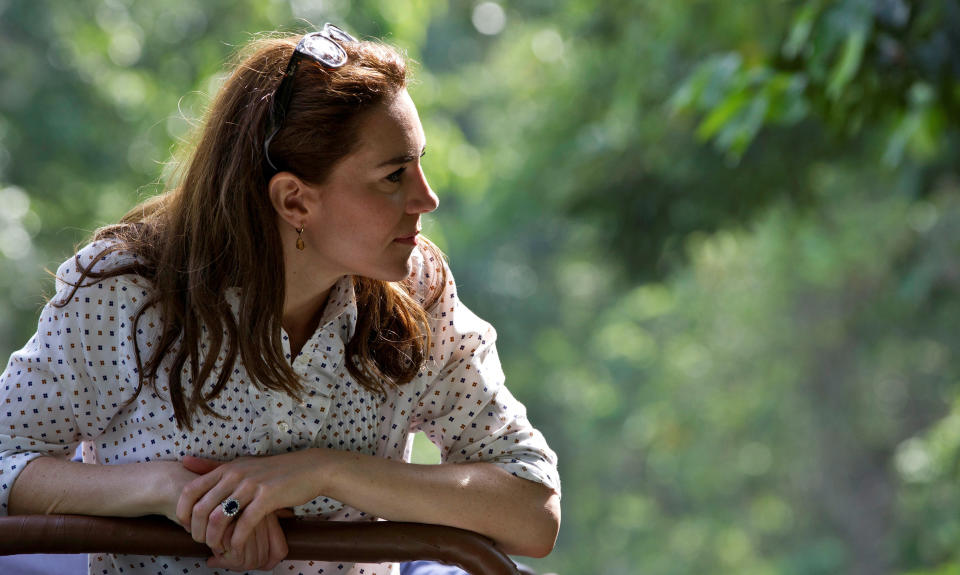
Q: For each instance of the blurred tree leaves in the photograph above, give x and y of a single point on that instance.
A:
(857, 64)
(718, 240)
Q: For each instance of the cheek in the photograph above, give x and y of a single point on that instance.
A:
(379, 210)
(370, 219)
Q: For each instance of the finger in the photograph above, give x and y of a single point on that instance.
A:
(190, 494)
(278, 542)
(199, 464)
(247, 553)
(226, 559)
(252, 556)
(208, 515)
(264, 541)
(230, 560)
(217, 535)
(259, 547)
(252, 515)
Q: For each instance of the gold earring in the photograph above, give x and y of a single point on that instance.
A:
(300, 245)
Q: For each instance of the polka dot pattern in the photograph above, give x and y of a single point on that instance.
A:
(73, 380)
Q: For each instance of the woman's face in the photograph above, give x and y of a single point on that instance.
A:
(368, 211)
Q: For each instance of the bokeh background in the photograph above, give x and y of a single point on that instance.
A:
(720, 241)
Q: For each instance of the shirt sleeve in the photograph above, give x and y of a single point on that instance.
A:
(64, 385)
(466, 409)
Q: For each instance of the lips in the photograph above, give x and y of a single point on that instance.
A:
(411, 239)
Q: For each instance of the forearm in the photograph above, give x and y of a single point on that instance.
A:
(521, 516)
(50, 485)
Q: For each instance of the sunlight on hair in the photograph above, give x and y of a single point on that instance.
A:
(489, 18)
(178, 126)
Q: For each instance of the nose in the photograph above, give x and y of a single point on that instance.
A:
(422, 200)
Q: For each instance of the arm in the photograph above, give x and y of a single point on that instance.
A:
(481, 487)
(498, 479)
(51, 485)
(521, 516)
(65, 386)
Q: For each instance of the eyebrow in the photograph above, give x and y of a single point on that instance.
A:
(402, 159)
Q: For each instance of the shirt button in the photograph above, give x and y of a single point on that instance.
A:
(283, 426)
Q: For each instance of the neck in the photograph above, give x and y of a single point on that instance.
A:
(302, 312)
(305, 297)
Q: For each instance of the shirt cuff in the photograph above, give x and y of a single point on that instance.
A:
(543, 474)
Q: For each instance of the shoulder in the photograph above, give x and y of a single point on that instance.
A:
(93, 312)
(95, 259)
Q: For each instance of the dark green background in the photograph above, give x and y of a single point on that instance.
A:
(720, 242)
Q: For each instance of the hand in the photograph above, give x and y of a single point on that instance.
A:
(262, 485)
(263, 550)
(169, 480)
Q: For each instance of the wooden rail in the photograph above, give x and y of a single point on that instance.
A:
(373, 542)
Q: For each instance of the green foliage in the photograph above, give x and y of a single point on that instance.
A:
(854, 64)
(718, 240)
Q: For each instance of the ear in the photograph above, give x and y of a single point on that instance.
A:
(294, 200)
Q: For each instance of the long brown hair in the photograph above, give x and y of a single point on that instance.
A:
(200, 238)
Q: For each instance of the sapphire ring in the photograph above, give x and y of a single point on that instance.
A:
(230, 506)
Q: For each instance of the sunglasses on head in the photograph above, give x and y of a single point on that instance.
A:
(322, 47)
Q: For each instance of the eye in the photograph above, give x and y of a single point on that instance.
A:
(395, 176)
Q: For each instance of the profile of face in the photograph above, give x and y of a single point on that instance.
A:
(365, 218)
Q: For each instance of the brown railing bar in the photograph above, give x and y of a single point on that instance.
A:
(373, 542)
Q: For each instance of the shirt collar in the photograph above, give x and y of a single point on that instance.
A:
(341, 305)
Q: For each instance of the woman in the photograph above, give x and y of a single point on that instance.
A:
(266, 336)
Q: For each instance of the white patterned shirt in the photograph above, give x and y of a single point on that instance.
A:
(72, 381)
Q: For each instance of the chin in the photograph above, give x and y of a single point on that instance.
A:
(407, 268)
(394, 273)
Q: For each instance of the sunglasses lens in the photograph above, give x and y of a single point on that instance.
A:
(324, 50)
(337, 34)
